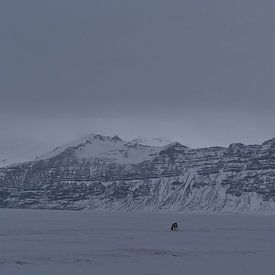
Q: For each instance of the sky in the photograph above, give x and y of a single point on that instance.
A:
(197, 72)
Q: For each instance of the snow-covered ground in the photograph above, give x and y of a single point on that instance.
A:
(63, 242)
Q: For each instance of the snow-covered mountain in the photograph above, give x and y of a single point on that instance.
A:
(107, 172)
(152, 141)
(110, 149)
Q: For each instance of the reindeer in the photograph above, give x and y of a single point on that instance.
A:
(174, 227)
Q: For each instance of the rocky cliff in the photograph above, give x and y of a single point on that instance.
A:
(107, 172)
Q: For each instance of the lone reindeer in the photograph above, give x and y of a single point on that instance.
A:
(174, 227)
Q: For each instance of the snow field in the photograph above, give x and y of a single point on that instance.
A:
(100, 242)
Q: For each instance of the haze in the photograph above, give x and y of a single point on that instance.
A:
(199, 72)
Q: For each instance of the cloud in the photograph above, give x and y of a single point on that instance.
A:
(199, 70)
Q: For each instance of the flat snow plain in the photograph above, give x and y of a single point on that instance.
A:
(46, 242)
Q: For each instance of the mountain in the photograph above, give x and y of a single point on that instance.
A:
(111, 149)
(152, 141)
(110, 173)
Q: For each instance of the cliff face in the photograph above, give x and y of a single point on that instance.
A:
(103, 172)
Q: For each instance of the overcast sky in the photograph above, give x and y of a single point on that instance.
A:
(200, 72)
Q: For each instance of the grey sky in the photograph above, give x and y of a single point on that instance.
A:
(201, 72)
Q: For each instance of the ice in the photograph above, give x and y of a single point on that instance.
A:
(101, 242)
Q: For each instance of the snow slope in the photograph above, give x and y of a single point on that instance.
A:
(152, 141)
(136, 243)
(110, 148)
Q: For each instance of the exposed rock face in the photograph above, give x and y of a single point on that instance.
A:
(105, 172)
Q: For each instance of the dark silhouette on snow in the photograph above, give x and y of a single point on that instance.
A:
(174, 227)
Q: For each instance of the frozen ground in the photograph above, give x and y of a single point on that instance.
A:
(46, 242)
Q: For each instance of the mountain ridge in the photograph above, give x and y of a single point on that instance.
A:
(109, 173)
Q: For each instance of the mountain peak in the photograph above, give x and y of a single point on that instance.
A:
(116, 138)
(269, 142)
(159, 141)
(100, 137)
